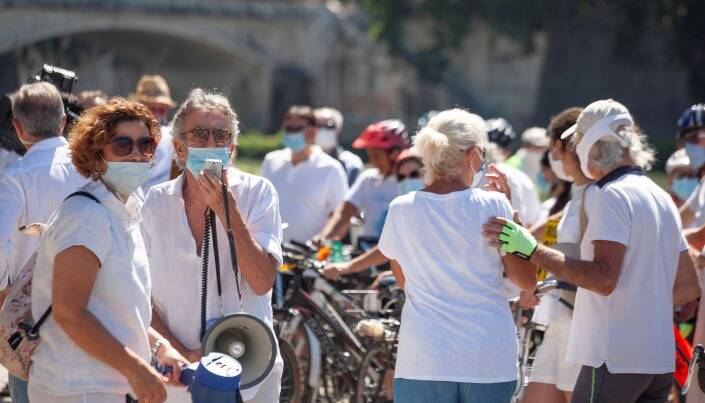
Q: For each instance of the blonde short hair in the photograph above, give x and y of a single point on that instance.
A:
(443, 141)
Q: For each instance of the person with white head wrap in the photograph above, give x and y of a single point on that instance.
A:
(632, 246)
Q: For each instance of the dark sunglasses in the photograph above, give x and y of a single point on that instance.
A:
(201, 135)
(328, 124)
(411, 175)
(122, 146)
(294, 129)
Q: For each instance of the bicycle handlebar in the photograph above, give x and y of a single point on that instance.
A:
(553, 284)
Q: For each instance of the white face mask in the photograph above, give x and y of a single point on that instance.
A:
(557, 168)
(532, 163)
(477, 177)
(126, 177)
(327, 139)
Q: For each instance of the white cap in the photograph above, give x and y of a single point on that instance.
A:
(594, 113)
(535, 136)
(678, 159)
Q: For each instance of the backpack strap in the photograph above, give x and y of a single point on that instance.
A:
(34, 331)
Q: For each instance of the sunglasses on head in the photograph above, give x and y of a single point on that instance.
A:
(411, 175)
(202, 134)
(122, 146)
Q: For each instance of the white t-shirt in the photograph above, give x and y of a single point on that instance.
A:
(7, 157)
(120, 299)
(525, 197)
(30, 190)
(567, 232)
(308, 191)
(456, 324)
(371, 194)
(176, 267)
(696, 204)
(631, 330)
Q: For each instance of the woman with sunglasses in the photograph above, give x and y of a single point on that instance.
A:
(457, 341)
(92, 270)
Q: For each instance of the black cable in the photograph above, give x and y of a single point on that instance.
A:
(204, 273)
(216, 254)
(231, 241)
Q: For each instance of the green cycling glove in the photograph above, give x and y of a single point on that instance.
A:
(517, 240)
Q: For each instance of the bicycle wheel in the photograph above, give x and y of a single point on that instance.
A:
(374, 383)
(292, 387)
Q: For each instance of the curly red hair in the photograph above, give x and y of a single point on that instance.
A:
(96, 128)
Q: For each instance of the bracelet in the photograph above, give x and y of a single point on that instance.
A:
(157, 345)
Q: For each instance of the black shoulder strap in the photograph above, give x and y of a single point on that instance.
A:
(35, 329)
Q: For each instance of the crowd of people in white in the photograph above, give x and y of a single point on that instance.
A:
(452, 210)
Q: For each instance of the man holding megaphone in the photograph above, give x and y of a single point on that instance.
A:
(211, 258)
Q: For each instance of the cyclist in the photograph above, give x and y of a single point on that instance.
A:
(552, 378)
(376, 187)
(691, 125)
(409, 171)
(329, 122)
(534, 143)
(681, 182)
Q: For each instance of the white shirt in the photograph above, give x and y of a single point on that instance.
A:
(7, 157)
(30, 190)
(696, 204)
(567, 232)
(176, 267)
(120, 298)
(161, 170)
(308, 191)
(525, 197)
(456, 324)
(631, 330)
(371, 194)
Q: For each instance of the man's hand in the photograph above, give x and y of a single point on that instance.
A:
(212, 191)
(167, 356)
(335, 270)
(510, 237)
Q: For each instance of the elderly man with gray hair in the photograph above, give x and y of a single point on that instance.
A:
(33, 187)
(633, 268)
(186, 240)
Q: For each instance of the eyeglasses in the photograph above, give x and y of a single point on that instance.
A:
(294, 129)
(694, 136)
(411, 175)
(328, 124)
(482, 152)
(122, 146)
(201, 135)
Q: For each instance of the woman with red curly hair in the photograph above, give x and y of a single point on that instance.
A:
(92, 270)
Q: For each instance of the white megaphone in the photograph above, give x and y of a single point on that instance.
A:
(238, 352)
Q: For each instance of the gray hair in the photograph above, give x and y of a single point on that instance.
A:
(203, 101)
(39, 109)
(607, 153)
(330, 113)
(443, 141)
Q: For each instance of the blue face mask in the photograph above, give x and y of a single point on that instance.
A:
(126, 177)
(696, 154)
(296, 141)
(684, 186)
(197, 157)
(409, 185)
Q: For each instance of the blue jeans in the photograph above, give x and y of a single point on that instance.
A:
(18, 390)
(416, 391)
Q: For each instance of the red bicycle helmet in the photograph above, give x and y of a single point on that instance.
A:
(387, 134)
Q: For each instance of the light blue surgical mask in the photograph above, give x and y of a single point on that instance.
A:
(295, 141)
(409, 185)
(197, 157)
(126, 177)
(696, 154)
(542, 183)
(684, 186)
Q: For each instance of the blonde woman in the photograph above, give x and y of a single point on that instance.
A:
(457, 341)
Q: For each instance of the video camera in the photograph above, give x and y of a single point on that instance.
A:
(64, 80)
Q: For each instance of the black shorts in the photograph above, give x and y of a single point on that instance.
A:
(598, 385)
